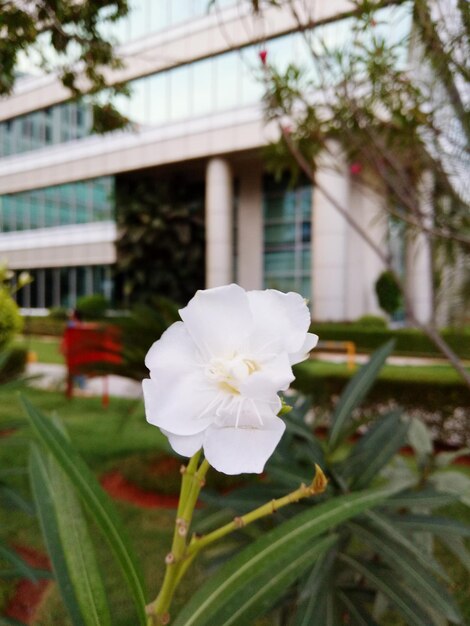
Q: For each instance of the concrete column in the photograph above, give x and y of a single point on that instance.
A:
(250, 229)
(329, 238)
(363, 266)
(419, 283)
(219, 223)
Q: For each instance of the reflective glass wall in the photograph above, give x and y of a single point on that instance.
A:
(74, 203)
(62, 286)
(47, 127)
(287, 238)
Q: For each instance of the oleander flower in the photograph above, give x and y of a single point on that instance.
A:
(215, 376)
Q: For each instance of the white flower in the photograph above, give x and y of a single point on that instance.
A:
(215, 376)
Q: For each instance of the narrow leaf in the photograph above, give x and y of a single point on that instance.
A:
(94, 498)
(233, 584)
(356, 391)
(421, 581)
(387, 525)
(74, 540)
(375, 449)
(51, 533)
(426, 523)
(359, 614)
(458, 549)
(311, 607)
(429, 498)
(389, 584)
(22, 568)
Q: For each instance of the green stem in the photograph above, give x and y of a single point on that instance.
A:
(318, 485)
(192, 481)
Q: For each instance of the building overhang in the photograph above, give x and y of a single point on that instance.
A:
(220, 134)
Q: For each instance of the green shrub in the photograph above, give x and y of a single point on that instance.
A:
(372, 321)
(409, 341)
(14, 364)
(58, 313)
(388, 293)
(92, 307)
(44, 326)
(11, 322)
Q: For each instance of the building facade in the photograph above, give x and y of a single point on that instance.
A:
(195, 107)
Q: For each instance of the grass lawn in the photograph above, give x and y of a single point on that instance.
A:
(47, 349)
(440, 374)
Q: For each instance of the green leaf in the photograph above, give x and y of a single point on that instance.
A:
(21, 567)
(262, 587)
(95, 500)
(432, 524)
(231, 588)
(356, 390)
(453, 482)
(375, 449)
(428, 589)
(428, 497)
(457, 547)
(312, 605)
(387, 525)
(420, 438)
(16, 500)
(358, 613)
(51, 533)
(66, 533)
(389, 584)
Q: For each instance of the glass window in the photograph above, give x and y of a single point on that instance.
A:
(203, 92)
(227, 80)
(287, 238)
(180, 90)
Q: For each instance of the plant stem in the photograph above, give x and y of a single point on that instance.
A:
(192, 481)
(317, 486)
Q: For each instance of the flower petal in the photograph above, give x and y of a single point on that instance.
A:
(180, 405)
(239, 450)
(310, 342)
(219, 320)
(175, 349)
(275, 375)
(186, 446)
(281, 320)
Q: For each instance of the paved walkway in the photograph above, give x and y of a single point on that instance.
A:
(51, 376)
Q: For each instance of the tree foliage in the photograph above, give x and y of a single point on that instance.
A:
(68, 39)
(160, 250)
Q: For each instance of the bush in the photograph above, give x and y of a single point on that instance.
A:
(11, 322)
(14, 365)
(58, 313)
(92, 307)
(388, 293)
(409, 341)
(44, 326)
(372, 321)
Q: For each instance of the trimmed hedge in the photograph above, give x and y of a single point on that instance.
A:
(445, 395)
(409, 341)
(44, 326)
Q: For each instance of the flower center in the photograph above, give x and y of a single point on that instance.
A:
(229, 373)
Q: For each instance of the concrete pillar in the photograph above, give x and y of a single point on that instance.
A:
(363, 266)
(329, 238)
(219, 223)
(419, 282)
(250, 228)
